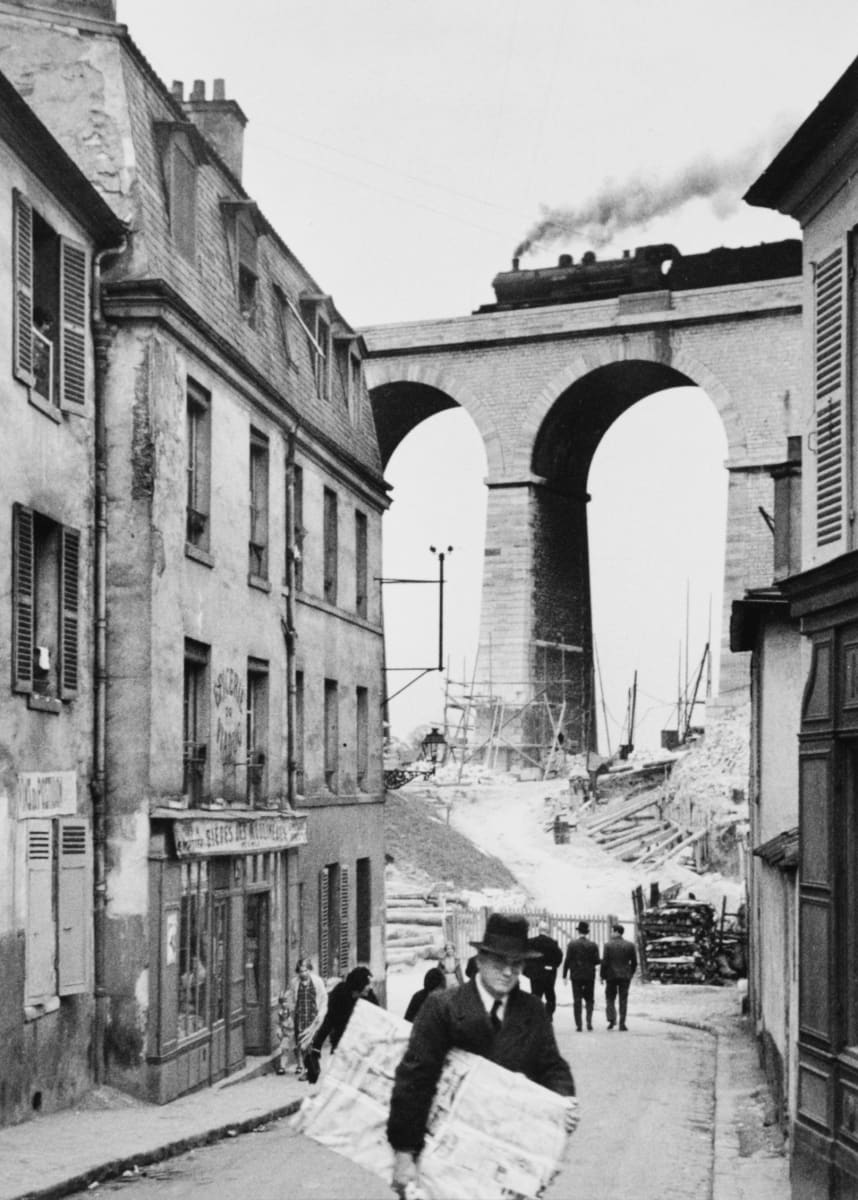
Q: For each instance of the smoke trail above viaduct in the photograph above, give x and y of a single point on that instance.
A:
(621, 205)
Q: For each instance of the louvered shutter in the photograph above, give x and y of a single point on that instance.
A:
(69, 617)
(344, 920)
(324, 906)
(829, 345)
(73, 323)
(73, 905)
(40, 943)
(23, 272)
(23, 598)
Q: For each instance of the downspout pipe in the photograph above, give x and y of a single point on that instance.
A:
(290, 635)
(98, 787)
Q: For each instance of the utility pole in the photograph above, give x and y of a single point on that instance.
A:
(441, 556)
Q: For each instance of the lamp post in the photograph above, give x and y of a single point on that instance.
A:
(434, 747)
(441, 556)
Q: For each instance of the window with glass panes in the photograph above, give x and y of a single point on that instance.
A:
(193, 1014)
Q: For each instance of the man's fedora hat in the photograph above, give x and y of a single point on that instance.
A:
(506, 937)
(583, 926)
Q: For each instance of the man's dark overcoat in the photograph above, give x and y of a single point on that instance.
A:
(582, 958)
(456, 1018)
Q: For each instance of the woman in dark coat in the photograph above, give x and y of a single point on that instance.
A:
(357, 985)
(432, 980)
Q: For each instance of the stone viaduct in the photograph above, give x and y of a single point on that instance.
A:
(543, 385)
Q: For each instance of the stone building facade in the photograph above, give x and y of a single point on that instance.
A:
(813, 178)
(55, 228)
(240, 801)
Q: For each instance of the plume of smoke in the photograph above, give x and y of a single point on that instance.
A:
(640, 199)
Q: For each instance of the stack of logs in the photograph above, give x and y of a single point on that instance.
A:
(414, 927)
(680, 941)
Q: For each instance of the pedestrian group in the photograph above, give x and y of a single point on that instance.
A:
(481, 1008)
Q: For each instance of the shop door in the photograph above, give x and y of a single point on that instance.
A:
(256, 973)
(219, 980)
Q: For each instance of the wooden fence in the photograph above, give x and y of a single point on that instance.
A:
(462, 926)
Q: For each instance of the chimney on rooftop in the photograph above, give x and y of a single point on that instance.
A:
(219, 120)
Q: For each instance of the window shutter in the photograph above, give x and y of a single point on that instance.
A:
(829, 344)
(73, 905)
(23, 268)
(324, 900)
(40, 943)
(73, 324)
(344, 920)
(69, 619)
(23, 598)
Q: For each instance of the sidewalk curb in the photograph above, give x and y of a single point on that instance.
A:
(143, 1158)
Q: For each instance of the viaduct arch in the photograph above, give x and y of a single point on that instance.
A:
(543, 385)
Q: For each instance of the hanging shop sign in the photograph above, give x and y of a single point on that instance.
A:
(203, 837)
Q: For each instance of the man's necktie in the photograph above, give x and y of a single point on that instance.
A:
(495, 1016)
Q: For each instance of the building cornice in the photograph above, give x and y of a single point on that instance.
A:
(132, 301)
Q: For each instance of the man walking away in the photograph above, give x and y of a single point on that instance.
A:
(542, 971)
(619, 963)
(582, 958)
(489, 1015)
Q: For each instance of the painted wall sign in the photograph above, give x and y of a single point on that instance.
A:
(47, 794)
(229, 710)
(200, 838)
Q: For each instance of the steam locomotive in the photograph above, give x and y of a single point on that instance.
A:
(650, 268)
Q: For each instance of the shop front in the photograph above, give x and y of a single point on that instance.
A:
(225, 902)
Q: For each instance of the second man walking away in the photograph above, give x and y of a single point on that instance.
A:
(619, 963)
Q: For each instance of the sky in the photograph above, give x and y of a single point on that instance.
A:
(406, 149)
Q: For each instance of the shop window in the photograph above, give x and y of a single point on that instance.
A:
(195, 721)
(257, 732)
(258, 543)
(363, 910)
(58, 857)
(361, 571)
(299, 730)
(334, 959)
(362, 735)
(45, 604)
(50, 315)
(330, 548)
(193, 1014)
(198, 466)
(332, 734)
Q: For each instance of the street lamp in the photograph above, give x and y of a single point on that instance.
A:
(433, 746)
(441, 556)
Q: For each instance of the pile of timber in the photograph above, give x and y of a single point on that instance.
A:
(414, 926)
(680, 941)
(636, 832)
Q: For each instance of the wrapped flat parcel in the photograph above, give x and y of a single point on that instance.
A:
(492, 1133)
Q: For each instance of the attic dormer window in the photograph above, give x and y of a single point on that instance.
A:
(348, 369)
(242, 227)
(318, 327)
(181, 154)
